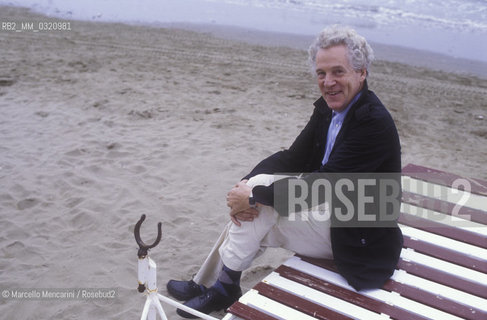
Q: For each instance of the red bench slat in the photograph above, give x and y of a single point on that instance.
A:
(248, 313)
(445, 254)
(416, 294)
(445, 278)
(443, 229)
(345, 294)
(298, 303)
(444, 207)
(477, 186)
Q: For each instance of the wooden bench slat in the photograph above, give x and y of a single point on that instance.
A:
(445, 242)
(442, 229)
(440, 290)
(458, 197)
(298, 303)
(433, 220)
(444, 207)
(273, 308)
(439, 219)
(346, 295)
(452, 269)
(443, 178)
(446, 254)
(247, 313)
(435, 301)
(443, 278)
(437, 305)
(321, 298)
(416, 294)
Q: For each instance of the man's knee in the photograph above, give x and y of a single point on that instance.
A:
(261, 180)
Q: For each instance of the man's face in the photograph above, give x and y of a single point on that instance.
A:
(338, 81)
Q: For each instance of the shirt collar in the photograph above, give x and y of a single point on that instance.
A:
(340, 116)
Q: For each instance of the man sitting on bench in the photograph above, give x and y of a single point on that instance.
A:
(350, 131)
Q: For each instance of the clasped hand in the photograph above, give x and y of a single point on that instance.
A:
(238, 201)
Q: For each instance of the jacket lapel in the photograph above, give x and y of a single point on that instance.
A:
(349, 117)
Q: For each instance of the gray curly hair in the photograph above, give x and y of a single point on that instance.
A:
(360, 53)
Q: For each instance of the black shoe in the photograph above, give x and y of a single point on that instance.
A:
(184, 290)
(210, 301)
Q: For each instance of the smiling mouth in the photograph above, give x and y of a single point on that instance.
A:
(332, 93)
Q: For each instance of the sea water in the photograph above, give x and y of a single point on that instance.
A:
(456, 28)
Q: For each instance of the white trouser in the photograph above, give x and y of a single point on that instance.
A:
(305, 233)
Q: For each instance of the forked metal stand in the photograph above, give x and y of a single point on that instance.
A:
(147, 277)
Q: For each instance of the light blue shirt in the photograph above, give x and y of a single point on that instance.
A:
(335, 126)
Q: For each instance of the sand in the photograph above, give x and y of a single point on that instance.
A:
(106, 122)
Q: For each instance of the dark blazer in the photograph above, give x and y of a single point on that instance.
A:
(368, 142)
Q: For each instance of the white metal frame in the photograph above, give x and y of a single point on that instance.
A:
(147, 278)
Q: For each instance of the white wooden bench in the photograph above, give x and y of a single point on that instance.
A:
(442, 272)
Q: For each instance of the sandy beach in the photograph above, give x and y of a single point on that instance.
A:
(106, 122)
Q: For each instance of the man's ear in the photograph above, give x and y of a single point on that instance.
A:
(363, 74)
